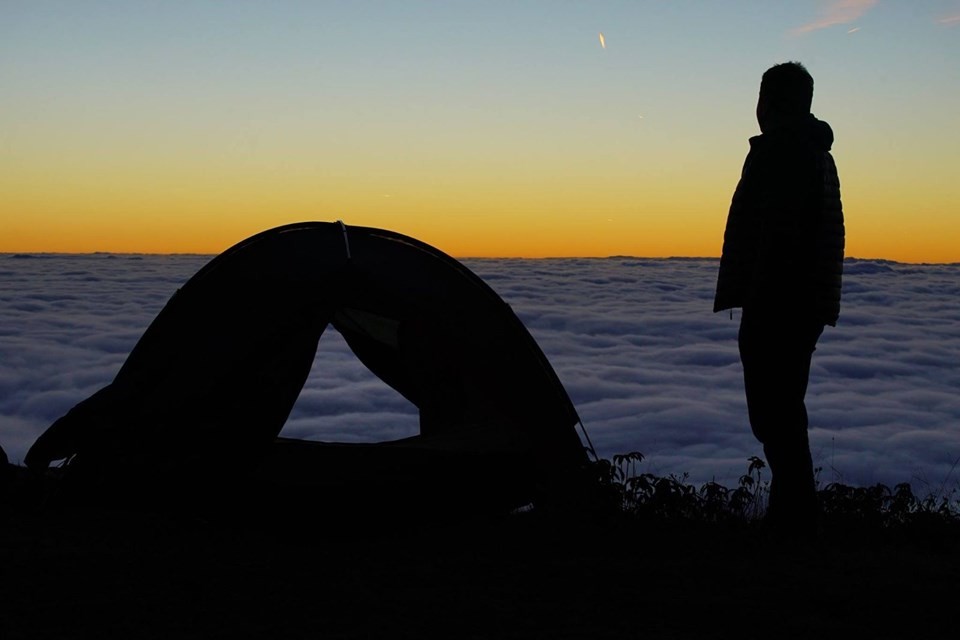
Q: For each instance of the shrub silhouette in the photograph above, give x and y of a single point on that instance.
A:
(674, 497)
(623, 490)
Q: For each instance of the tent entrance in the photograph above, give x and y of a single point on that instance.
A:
(342, 401)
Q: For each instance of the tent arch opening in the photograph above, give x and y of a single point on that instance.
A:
(344, 402)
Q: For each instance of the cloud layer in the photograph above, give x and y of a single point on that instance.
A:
(647, 364)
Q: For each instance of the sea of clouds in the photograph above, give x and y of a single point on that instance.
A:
(649, 367)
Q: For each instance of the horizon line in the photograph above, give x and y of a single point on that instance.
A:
(30, 254)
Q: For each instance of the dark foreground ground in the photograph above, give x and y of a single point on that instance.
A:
(135, 575)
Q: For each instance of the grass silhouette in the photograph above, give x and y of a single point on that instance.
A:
(644, 556)
(672, 497)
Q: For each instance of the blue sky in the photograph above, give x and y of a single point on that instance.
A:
(148, 126)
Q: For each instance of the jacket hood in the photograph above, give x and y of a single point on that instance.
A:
(808, 128)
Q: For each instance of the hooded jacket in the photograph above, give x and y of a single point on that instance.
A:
(784, 239)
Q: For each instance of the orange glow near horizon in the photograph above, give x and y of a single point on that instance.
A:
(487, 216)
(509, 234)
(514, 198)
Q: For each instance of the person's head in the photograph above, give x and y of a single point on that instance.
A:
(786, 92)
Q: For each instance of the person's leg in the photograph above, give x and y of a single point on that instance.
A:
(776, 354)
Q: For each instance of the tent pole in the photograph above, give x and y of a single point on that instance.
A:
(346, 239)
(587, 437)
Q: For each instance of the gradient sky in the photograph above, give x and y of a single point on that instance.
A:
(484, 128)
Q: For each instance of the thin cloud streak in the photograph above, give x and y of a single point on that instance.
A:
(950, 21)
(835, 13)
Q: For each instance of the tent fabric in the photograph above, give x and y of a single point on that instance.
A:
(209, 386)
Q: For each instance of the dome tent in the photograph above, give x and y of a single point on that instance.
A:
(197, 407)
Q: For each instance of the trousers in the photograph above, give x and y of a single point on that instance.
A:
(776, 350)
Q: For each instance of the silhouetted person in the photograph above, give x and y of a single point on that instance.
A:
(782, 263)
